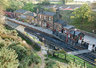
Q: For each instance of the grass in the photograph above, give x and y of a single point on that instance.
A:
(86, 26)
(79, 61)
(61, 57)
(58, 59)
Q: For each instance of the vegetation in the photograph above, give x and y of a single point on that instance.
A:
(29, 7)
(56, 64)
(84, 18)
(8, 58)
(14, 51)
(45, 2)
(82, 14)
(50, 64)
(63, 1)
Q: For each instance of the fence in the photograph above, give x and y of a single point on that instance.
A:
(79, 61)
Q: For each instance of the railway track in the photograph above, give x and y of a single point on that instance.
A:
(89, 57)
(86, 56)
(52, 41)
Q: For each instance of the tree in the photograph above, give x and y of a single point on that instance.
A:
(63, 1)
(8, 58)
(29, 7)
(4, 3)
(82, 14)
(45, 2)
(15, 4)
(93, 18)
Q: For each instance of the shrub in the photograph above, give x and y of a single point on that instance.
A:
(45, 3)
(25, 56)
(8, 58)
(50, 64)
(36, 47)
(20, 50)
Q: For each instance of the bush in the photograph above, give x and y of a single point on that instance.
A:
(45, 3)
(50, 64)
(8, 58)
(36, 47)
(20, 50)
(26, 57)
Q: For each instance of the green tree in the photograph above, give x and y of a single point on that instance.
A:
(63, 1)
(15, 4)
(82, 14)
(29, 7)
(93, 18)
(45, 2)
(8, 58)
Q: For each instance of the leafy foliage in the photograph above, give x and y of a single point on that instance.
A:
(63, 1)
(50, 64)
(13, 50)
(8, 58)
(17, 4)
(29, 7)
(73, 65)
(20, 50)
(82, 14)
(45, 2)
(25, 56)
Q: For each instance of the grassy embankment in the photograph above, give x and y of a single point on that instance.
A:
(85, 26)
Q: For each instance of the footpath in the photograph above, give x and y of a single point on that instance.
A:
(78, 52)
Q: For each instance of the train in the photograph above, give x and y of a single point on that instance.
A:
(68, 34)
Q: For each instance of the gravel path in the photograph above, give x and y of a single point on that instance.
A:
(42, 59)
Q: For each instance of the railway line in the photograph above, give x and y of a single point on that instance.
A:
(57, 43)
(54, 42)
